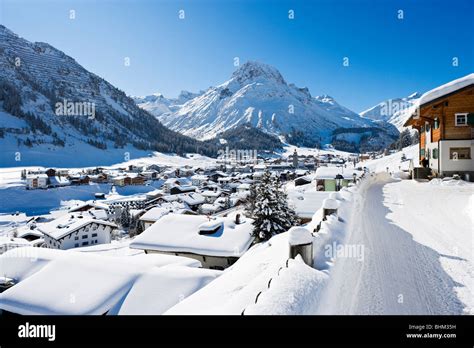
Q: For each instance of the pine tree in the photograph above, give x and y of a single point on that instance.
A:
(251, 199)
(125, 217)
(272, 215)
(405, 139)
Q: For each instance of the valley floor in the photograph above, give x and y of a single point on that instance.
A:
(417, 240)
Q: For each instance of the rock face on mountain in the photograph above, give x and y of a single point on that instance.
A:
(258, 95)
(49, 102)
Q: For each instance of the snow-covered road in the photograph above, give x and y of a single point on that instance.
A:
(417, 252)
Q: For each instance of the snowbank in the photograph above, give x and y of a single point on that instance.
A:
(159, 289)
(51, 282)
(294, 291)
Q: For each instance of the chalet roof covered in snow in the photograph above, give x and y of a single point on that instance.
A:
(306, 202)
(76, 283)
(154, 214)
(180, 233)
(439, 92)
(69, 223)
(161, 288)
(89, 205)
(331, 172)
(191, 198)
(8, 242)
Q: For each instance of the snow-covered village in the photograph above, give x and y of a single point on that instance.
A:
(249, 197)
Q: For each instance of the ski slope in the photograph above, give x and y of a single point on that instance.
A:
(417, 251)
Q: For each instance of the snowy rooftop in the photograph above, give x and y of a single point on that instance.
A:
(446, 89)
(73, 283)
(306, 202)
(68, 223)
(96, 205)
(439, 92)
(180, 233)
(8, 241)
(191, 198)
(331, 172)
(154, 214)
(161, 288)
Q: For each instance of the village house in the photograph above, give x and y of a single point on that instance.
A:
(193, 200)
(122, 180)
(36, 181)
(199, 179)
(172, 182)
(210, 195)
(50, 172)
(30, 234)
(79, 179)
(444, 119)
(153, 215)
(8, 243)
(58, 181)
(75, 230)
(216, 243)
(99, 178)
(178, 189)
(334, 178)
(89, 206)
(150, 174)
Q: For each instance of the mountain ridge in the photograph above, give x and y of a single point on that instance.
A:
(36, 77)
(257, 94)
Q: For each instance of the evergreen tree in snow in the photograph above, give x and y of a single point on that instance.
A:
(271, 214)
(405, 139)
(125, 217)
(251, 199)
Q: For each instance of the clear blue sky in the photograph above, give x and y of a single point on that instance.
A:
(388, 57)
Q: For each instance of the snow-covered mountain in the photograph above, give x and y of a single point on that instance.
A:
(392, 110)
(50, 104)
(157, 104)
(258, 95)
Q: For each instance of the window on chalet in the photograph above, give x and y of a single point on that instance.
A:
(436, 124)
(461, 119)
(76, 238)
(422, 152)
(84, 236)
(422, 129)
(85, 243)
(435, 153)
(94, 234)
(76, 245)
(459, 153)
(427, 127)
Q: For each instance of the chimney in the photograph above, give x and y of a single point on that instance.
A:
(237, 219)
